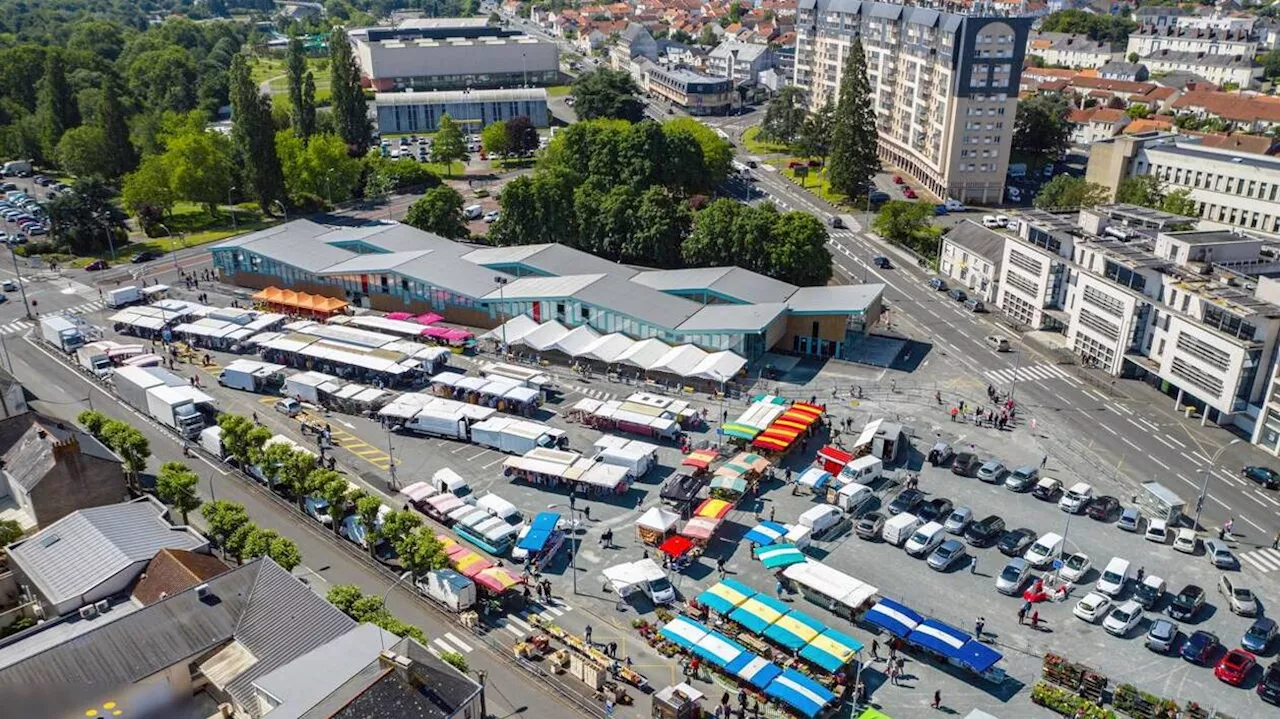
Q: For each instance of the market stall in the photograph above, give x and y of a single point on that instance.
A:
(831, 650)
(804, 695)
(677, 547)
(685, 633)
(469, 564)
(814, 480)
(794, 630)
(765, 533)
(832, 459)
(700, 529)
(838, 592)
(718, 649)
(501, 584)
(656, 525)
(713, 509)
(559, 469)
(700, 459)
(681, 491)
(757, 613)
(897, 619)
(754, 669)
(725, 596)
(779, 555)
(440, 506)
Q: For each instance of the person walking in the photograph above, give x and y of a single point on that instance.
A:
(720, 566)
(586, 634)
(937, 698)
(777, 589)
(1043, 461)
(973, 565)
(1022, 614)
(875, 650)
(978, 626)
(893, 674)
(1275, 543)
(1035, 619)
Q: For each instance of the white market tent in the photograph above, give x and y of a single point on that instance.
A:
(515, 328)
(543, 338)
(576, 340)
(607, 348)
(719, 367)
(645, 354)
(658, 519)
(680, 361)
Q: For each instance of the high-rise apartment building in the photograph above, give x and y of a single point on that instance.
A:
(944, 86)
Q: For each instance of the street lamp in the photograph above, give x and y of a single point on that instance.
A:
(573, 556)
(231, 207)
(502, 283)
(382, 633)
(106, 226)
(283, 211)
(1204, 487)
(17, 273)
(391, 460)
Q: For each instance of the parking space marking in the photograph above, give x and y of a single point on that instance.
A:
(1122, 408)
(1269, 499)
(496, 461)
(1098, 397)
(1232, 478)
(1171, 439)
(461, 447)
(1190, 459)
(1202, 457)
(1131, 444)
(482, 453)
(1256, 501)
(1162, 464)
(1161, 441)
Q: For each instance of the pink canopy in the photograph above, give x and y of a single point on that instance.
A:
(402, 316)
(429, 318)
(458, 335)
(437, 332)
(700, 528)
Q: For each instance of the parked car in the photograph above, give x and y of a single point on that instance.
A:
(1075, 567)
(1123, 619)
(958, 295)
(1258, 637)
(879, 196)
(835, 222)
(938, 284)
(1074, 500)
(1131, 520)
(909, 193)
(1240, 600)
(1015, 541)
(941, 454)
(1186, 541)
(992, 471)
(974, 304)
(1234, 668)
(1219, 554)
(947, 555)
(288, 406)
(96, 265)
(1186, 603)
(897, 180)
(1269, 685)
(1149, 591)
(1047, 489)
(1092, 607)
(999, 343)
(934, 510)
(145, 256)
(1157, 531)
(958, 521)
(1200, 647)
(982, 533)
(1010, 579)
(1265, 476)
(906, 501)
(966, 464)
(1102, 508)
(1161, 636)
(869, 525)
(1022, 479)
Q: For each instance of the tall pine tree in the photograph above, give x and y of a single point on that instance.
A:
(55, 104)
(253, 137)
(122, 157)
(302, 111)
(350, 111)
(853, 134)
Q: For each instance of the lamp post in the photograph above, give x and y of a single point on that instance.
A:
(391, 460)
(1204, 487)
(382, 633)
(573, 556)
(502, 302)
(231, 207)
(17, 273)
(106, 227)
(283, 211)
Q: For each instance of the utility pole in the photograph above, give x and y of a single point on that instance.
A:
(1204, 487)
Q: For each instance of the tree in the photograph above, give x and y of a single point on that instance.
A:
(346, 96)
(399, 527)
(448, 146)
(522, 136)
(455, 660)
(902, 221)
(420, 552)
(295, 472)
(1270, 62)
(146, 192)
(815, 135)
(10, 531)
(1041, 128)
(1109, 28)
(660, 224)
(238, 542)
(93, 421)
(258, 542)
(55, 106)
(1137, 111)
(235, 436)
(439, 211)
(223, 518)
(302, 111)
(337, 492)
(120, 154)
(284, 551)
(853, 134)
(605, 93)
(1179, 202)
(343, 596)
(784, 116)
(306, 119)
(368, 509)
(253, 137)
(84, 219)
(717, 153)
(1133, 57)
(1143, 190)
(320, 168)
(164, 79)
(708, 37)
(176, 485)
(798, 250)
(494, 139)
(1069, 192)
(200, 167)
(83, 151)
(132, 446)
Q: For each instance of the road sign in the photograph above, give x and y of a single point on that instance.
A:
(1057, 564)
(720, 431)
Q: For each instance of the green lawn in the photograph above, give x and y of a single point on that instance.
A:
(273, 69)
(192, 225)
(815, 182)
(756, 146)
(559, 90)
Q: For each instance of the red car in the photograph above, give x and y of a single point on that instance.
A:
(897, 180)
(909, 193)
(96, 265)
(1235, 667)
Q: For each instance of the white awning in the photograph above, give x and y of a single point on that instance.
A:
(576, 340)
(680, 361)
(719, 367)
(607, 348)
(645, 353)
(513, 329)
(544, 337)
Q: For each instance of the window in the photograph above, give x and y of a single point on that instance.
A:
(586, 314)
(560, 309)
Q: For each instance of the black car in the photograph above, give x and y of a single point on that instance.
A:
(869, 525)
(1200, 647)
(935, 510)
(1186, 604)
(966, 464)
(1265, 476)
(1015, 541)
(906, 501)
(145, 256)
(1103, 508)
(835, 222)
(882, 262)
(1269, 686)
(982, 534)
(879, 196)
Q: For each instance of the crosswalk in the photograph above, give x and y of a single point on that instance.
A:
(1028, 373)
(520, 625)
(592, 392)
(22, 325)
(85, 308)
(449, 642)
(1264, 559)
(15, 327)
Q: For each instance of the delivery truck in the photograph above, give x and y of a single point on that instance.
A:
(124, 296)
(61, 333)
(93, 358)
(438, 423)
(516, 436)
(448, 589)
(252, 376)
(174, 408)
(211, 441)
(132, 383)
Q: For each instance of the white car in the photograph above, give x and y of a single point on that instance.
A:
(1157, 531)
(1044, 550)
(491, 216)
(1123, 618)
(989, 221)
(1075, 567)
(1074, 500)
(1093, 607)
(1186, 541)
(1002, 220)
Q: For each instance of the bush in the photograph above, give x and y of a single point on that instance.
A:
(41, 247)
(19, 625)
(1066, 703)
(456, 660)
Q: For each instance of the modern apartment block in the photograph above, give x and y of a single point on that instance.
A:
(1229, 184)
(944, 85)
(1190, 311)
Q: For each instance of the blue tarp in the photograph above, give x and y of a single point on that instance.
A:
(978, 656)
(754, 669)
(718, 649)
(766, 533)
(758, 612)
(540, 530)
(684, 632)
(799, 692)
(897, 619)
(938, 637)
(831, 650)
(794, 630)
(720, 597)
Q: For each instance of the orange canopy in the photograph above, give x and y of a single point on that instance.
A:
(301, 300)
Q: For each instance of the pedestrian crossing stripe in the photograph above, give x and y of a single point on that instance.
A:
(86, 308)
(1264, 560)
(449, 642)
(1042, 371)
(16, 327)
(599, 394)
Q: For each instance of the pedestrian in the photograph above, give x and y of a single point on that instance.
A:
(720, 712)
(608, 707)
(720, 567)
(587, 634)
(937, 698)
(694, 665)
(586, 512)
(613, 649)
(742, 699)
(1022, 614)
(777, 589)
(1275, 543)
(893, 674)
(1043, 461)
(893, 652)
(978, 627)
(973, 565)
(1142, 572)
(773, 509)
(1035, 619)
(875, 650)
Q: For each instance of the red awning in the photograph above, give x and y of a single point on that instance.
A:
(676, 546)
(835, 455)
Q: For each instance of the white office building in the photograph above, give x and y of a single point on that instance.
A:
(970, 257)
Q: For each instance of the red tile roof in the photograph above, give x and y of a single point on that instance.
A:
(1232, 106)
(175, 570)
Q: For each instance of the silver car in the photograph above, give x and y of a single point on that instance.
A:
(992, 470)
(1162, 635)
(1022, 479)
(1219, 554)
(947, 554)
(958, 521)
(1013, 576)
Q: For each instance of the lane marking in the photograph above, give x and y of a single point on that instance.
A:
(1220, 502)
(1255, 500)
(1112, 431)
(1131, 444)
(1190, 459)
(1255, 524)
(1122, 408)
(1171, 439)
(1162, 464)
(1179, 476)
(1203, 458)
(1161, 441)
(1098, 397)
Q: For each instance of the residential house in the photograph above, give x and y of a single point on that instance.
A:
(172, 571)
(1246, 112)
(96, 553)
(589, 41)
(1094, 124)
(1158, 16)
(50, 468)
(13, 398)
(1220, 69)
(970, 257)
(633, 42)
(1147, 41)
(1128, 71)
(1071, 50)
(740, 62)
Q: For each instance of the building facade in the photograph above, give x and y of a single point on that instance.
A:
(741, 62)
(970, 257)
(1218, 68)
(944, 86)
(1148, 40)
(1228, 186)
(693, 92)
(1062, 49)
(456, 54)
(400, 112)
(1035, 269)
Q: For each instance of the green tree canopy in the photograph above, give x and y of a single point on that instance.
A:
(1041, 127)
(522, 136)
(320, 167)
(784, 116)
(439, 211)
(853, 133)
(494, 138)
(1069, 192)
(176, 484)
(907, 223)
(606, 93)
(223, 518)
(448, 146)
(350, 110)
(1142, 190)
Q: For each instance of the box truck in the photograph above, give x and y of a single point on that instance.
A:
(61, 333)
(124, 296)
(516, 436)
(447, 588)
(438, 423)
(211, 441)
(94, 359)
(252, 376)
(174, 408)
(132, 383)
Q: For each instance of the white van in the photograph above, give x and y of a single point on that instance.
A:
(1044, 550)
(899, 528)
(926, 539)
(473, 212)
(500, 508)
(852, 497)
(824, 520)
(1114, 577)
(954, 205)
(862, 470)
(447, 481)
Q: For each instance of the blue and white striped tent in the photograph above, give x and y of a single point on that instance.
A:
(718, 649)
(897, 619)
(725, 596)
(754, 669)
(799, 692)
(766, 533)
(684, 632)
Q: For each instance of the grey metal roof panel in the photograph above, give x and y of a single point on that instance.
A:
(298, 249)
(890, 11)
(305, 681)
(834, 299)
(951, 22)
(543, 288)
(647, 305)
(450, 96)
(556, 259)
(977, 239)
(922, 16)
(451, 273)
(733, 318)
(85, 548)
(1266, 162)
(742, 285)
(373, 262)
(490, 256)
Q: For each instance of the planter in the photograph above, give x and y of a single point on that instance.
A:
(1061, 701)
